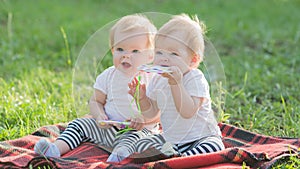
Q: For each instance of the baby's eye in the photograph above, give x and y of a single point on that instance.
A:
(158, 53)
(175, 54)
(135, 51)
(120, 49)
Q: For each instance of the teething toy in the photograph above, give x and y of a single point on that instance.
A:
(122, 124)
(154, 68)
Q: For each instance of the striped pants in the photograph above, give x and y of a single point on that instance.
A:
(86, 130)
(201, 146)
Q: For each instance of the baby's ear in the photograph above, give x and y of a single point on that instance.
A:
(112, 51)
(195, 60)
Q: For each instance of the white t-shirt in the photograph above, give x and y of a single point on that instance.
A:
(119, 104)
(176, 129)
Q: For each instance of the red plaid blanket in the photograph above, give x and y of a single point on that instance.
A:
(242, 147)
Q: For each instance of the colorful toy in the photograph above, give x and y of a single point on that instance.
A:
(123, 124)
(154, 68)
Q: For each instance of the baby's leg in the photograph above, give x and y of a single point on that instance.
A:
(45, 148)
(124, 145)
(207, 145)
(78, 131)
(87, 130)
(156, 141)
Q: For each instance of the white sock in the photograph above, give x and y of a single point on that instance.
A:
(118, 155)
(45, 148)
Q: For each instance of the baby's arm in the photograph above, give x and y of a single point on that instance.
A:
(185, 104)
(96, 104)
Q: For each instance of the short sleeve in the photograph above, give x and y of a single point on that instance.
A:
(197, 85)
(102, 80)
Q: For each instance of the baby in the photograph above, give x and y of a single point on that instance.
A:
(132, 43)
(180, 96)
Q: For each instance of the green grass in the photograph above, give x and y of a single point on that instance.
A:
(257, 41)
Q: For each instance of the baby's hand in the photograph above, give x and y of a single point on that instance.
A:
(137, 123)
(102, 124)
(137, 90)
(174, 77)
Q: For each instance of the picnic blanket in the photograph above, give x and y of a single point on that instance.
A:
(242, 148)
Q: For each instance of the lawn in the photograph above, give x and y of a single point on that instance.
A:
(258, 43)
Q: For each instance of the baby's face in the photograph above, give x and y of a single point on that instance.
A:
(172, 52)
(130, 51)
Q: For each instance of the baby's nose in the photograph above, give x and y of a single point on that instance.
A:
(125, 56)
(165, 59)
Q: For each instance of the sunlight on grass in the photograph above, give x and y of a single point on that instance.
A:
(67, 48)
(34, 102)
(258, 43)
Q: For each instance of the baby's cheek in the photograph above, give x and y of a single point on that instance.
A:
(141, 60)
(116, 60)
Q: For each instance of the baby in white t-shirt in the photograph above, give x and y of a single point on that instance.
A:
(132, 43)
(181, 96)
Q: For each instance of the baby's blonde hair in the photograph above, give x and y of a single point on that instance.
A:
(192, 30)
(132, 23)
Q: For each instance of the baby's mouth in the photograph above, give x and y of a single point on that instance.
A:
(126, 65)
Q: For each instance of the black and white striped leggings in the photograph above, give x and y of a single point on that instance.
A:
(86, 130)
(201, 146)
